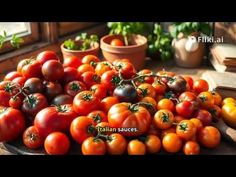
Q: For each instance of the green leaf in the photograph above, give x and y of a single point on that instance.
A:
(16, 41)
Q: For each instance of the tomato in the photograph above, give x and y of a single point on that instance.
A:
(166, 131)
(186, 129)
(136, 147)
(70, 74)
(108, 102)
(116, 144)
(19, 80)
(159, 86)
(117, 42)
(110, 79)
(229, 114)
(57, 143)
(81, 128)
(9, 87)
(85, 102)
(83, 68)
(198, 124)
(191, 148)
(177, 84)
(206, 99)
(153, 144)
(52, 70)
(152, 102)
(125, 93)
(209, 137)
(12, 124)
(217, 98)
(148, 79)
(126, 69)
(74, 87)
(190, 96)
(52, 89)
(215, 112)
(54, 118)
(172, 143)
(4, 98)
(178, 118)
(133, 120)
(163, 119)
(29, 68)
(185, 109)
(116, 61)
(90, 78)
(12, 75)
(93, 146)
(153, 130)
(33, 103)
(164, 75)
(62, 99)
(47, 55)
(99, 90)
(200, 86)
(104, 128)
(15, 102)
(189, 80)
(228, 100)
(98, 116)
(32, 139)
(34, 85)
(102, 67)
(166, 104)
(90, 59)
(72, 61)
(204, 116)
(145, 89)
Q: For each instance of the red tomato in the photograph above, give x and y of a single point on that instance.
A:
(15, 102)
(204, 116)
(117, 42)
(90, 59)
(159, 86)
(52, 70)
(74, 87)
(85, 102)
(215, 112)
(185, 109)
(62, 99)
(70, 74)
(98, 116)
(81, 128)
(47, 55)
(200, 86)
(19, 80)
(12, 124)
(52, 89)
(33, 103)
(190, 96)
(4, 98)
(102, 67)
(93, 146)
(54, 118)
(110, 79)
(72, 61)
(108, 102)
(57, 143)
(104, 128)
(12, 75)
(29, 68)
(90, 78)
(148, 80)
(126, 69)
(34, 85)
(99, 90)
(189, 81)
(133, 120)
(32, 139)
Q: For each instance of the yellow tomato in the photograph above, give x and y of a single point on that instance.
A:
(228, 100)
(229, 114)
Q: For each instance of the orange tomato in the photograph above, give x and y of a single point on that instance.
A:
(209, 137)
(117, 42)
(186, 129)
(102, 67)
(191, 148)
(145, 90)
(166, 131)
(215, 111)
(136, 147)
(217, 98)
(153, 144)
(93, 146)
(198, 124)
(116, 144)
(163, 119)
(206, 99)
(108, 102)
(179, 119)
(172, 143)
(166, 104)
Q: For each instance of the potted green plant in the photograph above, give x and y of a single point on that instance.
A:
(125, 41)
(82, 45)
(15, 41)
(159, 44)
(189, 51)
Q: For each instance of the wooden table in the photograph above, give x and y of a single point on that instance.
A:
(226, 148)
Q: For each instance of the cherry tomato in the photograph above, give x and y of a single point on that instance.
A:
(29, 68)
(166, 131)
(57, 143)
(74, 87)
(209, 137)
(189, 81)
(83, 68)
(159, 86)
(52, 70)
(32, 139)
(15, 102)
(215, 112)
(116, 144)
(90, 78)
(191, 148)
(172, 143)
(93, 146)
(102, 67)
(153, 144)
(52, 89)
(217, 98)
(72, 61)
(4, 98)
(145, 89)
(108, 102)
(166, 104)
(19, 80)
(70, 74)
(47, 55)
(186, 129)
(204, 116)
(117, 42)
(90, 59)
(136, 147)
(163, 119)
(148, 79)
(185, 109)
(200, 86)
(110, 79)
(206, 99)
(190, 96)
(12, 75)
(98, 116)
(99, 90)
(126, 69)
(198, 124)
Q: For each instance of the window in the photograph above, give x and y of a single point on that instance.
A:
(28, 31)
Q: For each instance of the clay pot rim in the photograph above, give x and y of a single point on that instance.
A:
(96, 47)
(108, 47)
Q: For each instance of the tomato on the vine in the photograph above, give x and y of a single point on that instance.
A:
(159, 86)
(15, 102)
(110, 79)
(126, 69)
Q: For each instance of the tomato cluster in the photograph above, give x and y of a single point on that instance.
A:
(106, 107)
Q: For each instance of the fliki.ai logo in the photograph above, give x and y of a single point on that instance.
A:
(206, 39)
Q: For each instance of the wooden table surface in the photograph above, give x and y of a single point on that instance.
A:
(225, 148)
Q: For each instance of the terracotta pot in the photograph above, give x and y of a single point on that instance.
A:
(185, 58)
(135, 53)
(80, 54)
